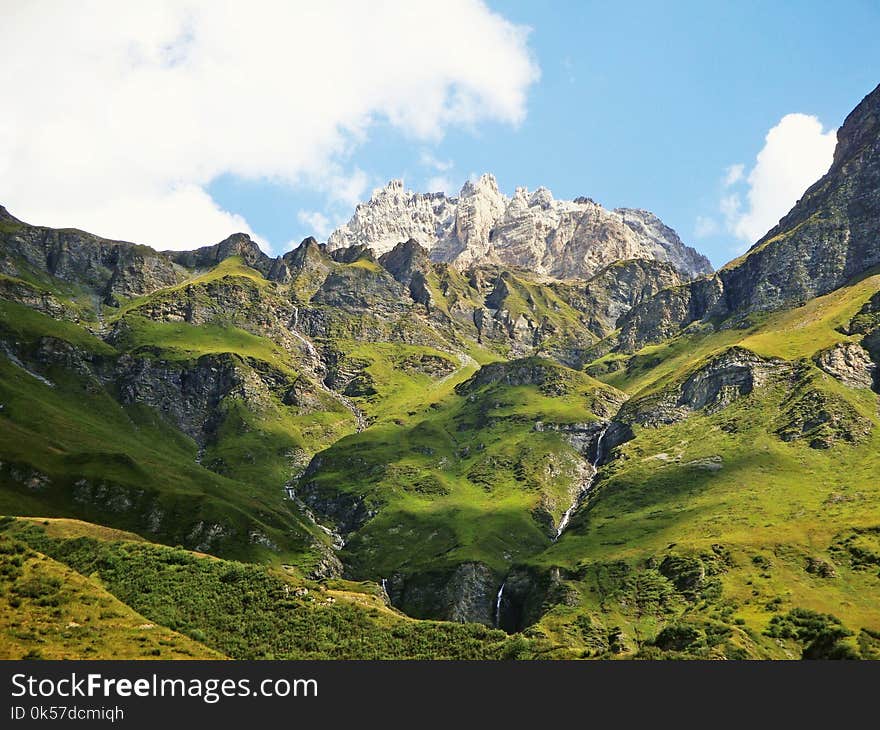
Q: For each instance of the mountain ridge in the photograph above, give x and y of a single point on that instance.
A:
(558, 238)
(486, 444)
(827, 238)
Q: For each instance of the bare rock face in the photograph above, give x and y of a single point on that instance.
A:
(111, 269)
(734, 373)
(666, 314)
(465, 593)
(728, 376)
(827, 239)
(850, 363)
(409, 264)
(558, 238)
(238, 244)
(616, 289)
(393, 215)
(480, 205)
(188, 394)
(76, 257)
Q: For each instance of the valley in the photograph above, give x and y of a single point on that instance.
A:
(493, 428)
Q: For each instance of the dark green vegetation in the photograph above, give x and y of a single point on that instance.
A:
(332, 423)
(49, 611)
(215, 607)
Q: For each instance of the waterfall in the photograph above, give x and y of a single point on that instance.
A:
(598, 458)
(498, 607)
(582, 492)
(385, 587)
(294, 325)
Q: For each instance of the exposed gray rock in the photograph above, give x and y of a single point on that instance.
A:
(827, 239)
(348, 512)
(725, 378)
(107, 267)
(560, 238)
(361, 288)
(734, 373)
(465, 593)
(616, 289)
(409, 264)
(850, 363)
(30, 296)
(529, 593)
(188, 393)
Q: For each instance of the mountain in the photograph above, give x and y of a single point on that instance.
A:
(377, 446)
(829, 237)
(564, 239)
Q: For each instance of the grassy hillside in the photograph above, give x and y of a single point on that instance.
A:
(468, 479)
(717, 525)
(49, 611)
(444, 443)
(240, 610)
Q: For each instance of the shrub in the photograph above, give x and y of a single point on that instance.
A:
(679, 637)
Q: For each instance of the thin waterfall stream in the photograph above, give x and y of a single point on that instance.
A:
(498, 606)
(582, 492)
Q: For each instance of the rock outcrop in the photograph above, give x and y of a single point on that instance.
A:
(465, 593)
(726, 377)
(558, 238)
(614, 290)
(109, 268)
(238, 244)
(850, 363)
(827, 239)
(409, 264)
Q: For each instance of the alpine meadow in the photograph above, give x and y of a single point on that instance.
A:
(472, 426)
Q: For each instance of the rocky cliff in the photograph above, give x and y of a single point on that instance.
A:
(827, 239)
(81, 259)
(558, 238)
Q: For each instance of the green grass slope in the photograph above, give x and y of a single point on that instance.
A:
(733, 533)
(243, 611)
(470, 478)
(49, 611)
(70, 448)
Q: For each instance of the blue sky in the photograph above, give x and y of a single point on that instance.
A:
(178, 122)
(640, 104)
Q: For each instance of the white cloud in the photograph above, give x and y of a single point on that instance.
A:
(440, 184)
(196, 219)
(796, 153)
(123, 113)
(730, 206)
(318, 223)
(733, 174)
(705, 226)
(428, 160)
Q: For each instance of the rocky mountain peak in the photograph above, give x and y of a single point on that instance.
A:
(485, 184)
(390, 189)
(238, 244)
(406, 253)
(862, 126)
(533, 230)
(310, 257)
(5, 215)
(409, 264)
(349, 255)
